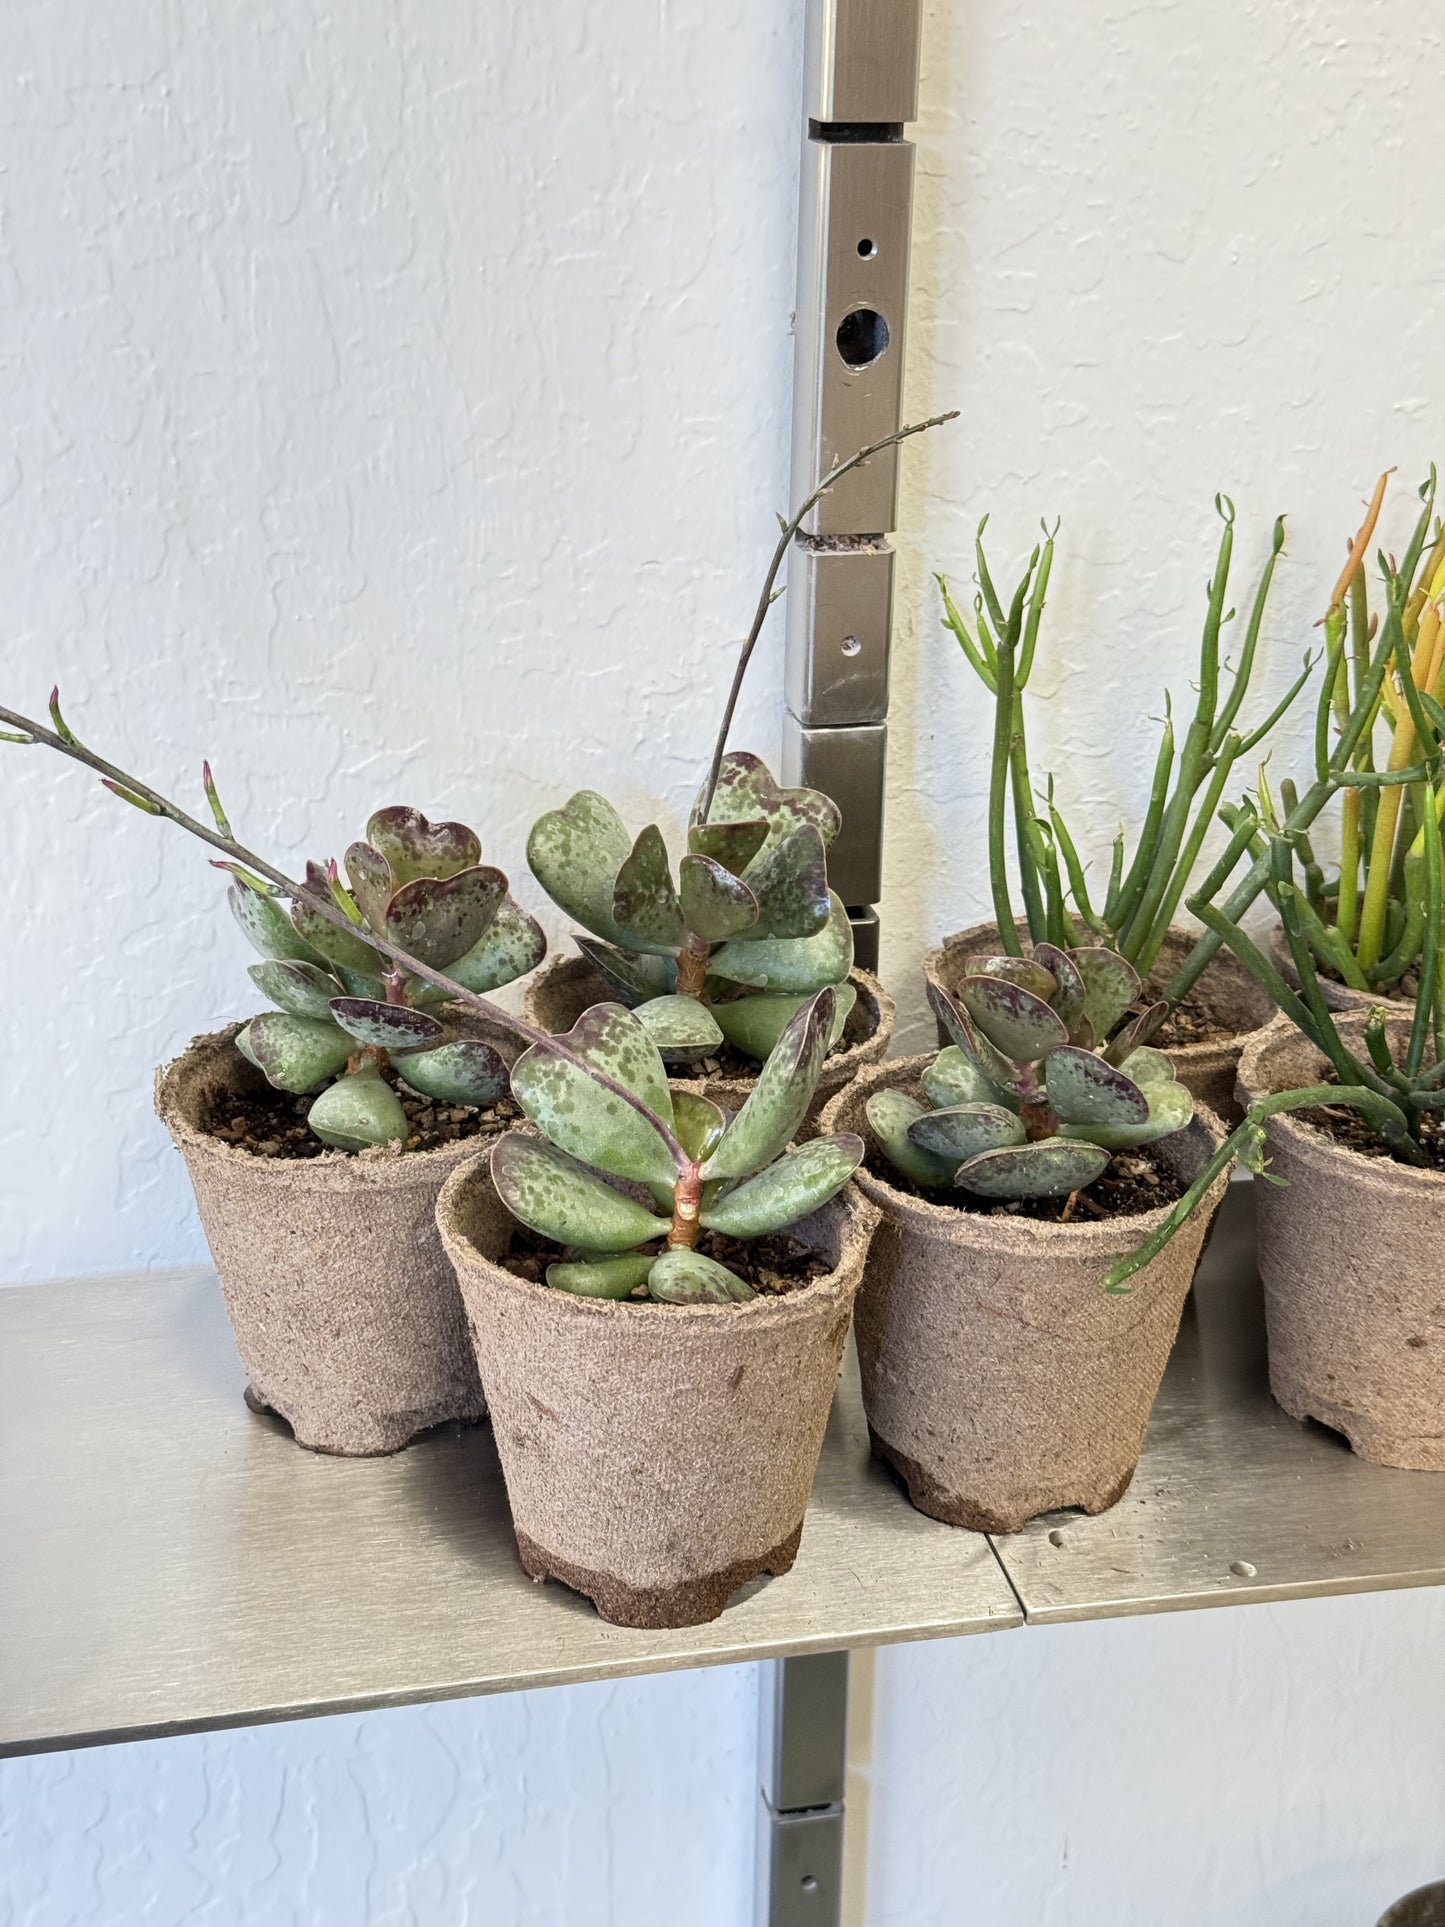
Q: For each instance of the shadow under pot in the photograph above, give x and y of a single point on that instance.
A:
(1203, 1038)
(999, 1380)
(345, 1311)
(656, 1457)
(1337, 996)
(561, 990)
(1352, 1254)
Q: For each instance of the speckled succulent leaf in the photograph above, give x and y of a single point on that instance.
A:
(689, 1278)
(346, 949)
(575, 854)
(790, 882)
(561, 1199)
(698, 1122)
(968, 1039)
(243, 1045)
(358, 1111)
(746, 793)
(300, 989)
(753, 1025)
(645, 906)
(1083, 1089)
(954, 1078)
(682, 1028)
(391, 1026)
(267, 926)
(734, 845)
(1026, 972)
(1137, 1032)
(1049, 1169)
(466, 1071)
(439, 919)
(798, 964)
(779, 1099)
(584, 1117)
(412, 847)
(297, 1053)
(602, 1277)
(510, 946)
(890, 1114)
(372, 883)
(963, 1130)
(1170, 1107)
(1071, 996)
(786, 1190)
(1147, 1066)
(361, 983)
(716, 904)
(635, 978)
(1020, 1026)
(1111, 984)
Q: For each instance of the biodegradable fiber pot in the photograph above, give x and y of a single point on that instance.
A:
(998, 1379)
(1350, 1251)
(345, 1311)
(561, 990)
(656, 1457)
(1226, 993)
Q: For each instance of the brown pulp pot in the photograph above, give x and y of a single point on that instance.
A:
(1425, 1907)
(1336, 996)
(1225, 989)
(564, 988)
(345, 1311)
(1352, 1254)
(656, 1456)
(998, 1379)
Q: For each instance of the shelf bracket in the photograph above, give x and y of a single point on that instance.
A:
(802, 1760)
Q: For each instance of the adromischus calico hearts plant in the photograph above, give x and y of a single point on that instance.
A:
(1034, 1093)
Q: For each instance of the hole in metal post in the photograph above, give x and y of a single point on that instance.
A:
(851, 646)
(862, 337)
(867, 249)
(809, 1883)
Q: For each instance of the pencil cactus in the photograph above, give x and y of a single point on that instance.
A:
(600, 1098)
(1041, 1082)
(744, 935)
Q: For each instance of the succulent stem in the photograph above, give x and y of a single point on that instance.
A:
(686, 1209)
(692, 968)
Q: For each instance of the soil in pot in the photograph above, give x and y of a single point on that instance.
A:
(778, 1264)
(1131, 1182)
(268, 1123)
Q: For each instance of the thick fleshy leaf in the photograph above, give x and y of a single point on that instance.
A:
(698, 1122)
(575, 854)
(1049, 1169)
(746, 793)
(800, 964)
(602, 1277)
(302, 989)
(788, 1189)
(1111, 984)
(358, 1111)
(297, 1053)
(348, 949)
(964, 1130)
(510, 946)
(1137, 1032)
(439, 919)
(243, 1045)
(645, 905)
(372, 883)
(968, 1039)
(753, 1025)
(586, 1117)
(391, 1026)
(1083, 1089)
(411, 847)
(1027, 972)
(954, 1078)
(1019, 1025)
(465, 1072)
(733, 844)
(1071, 994)
(1148, 1067)
(780, 1098)
(562, 1200)
(267, 926)
(358, 983)
(890, 1115)
(689, 1278)
(790, 883)
(1170, 1107)
(682, 1028)
(634, 978)
(716, 904)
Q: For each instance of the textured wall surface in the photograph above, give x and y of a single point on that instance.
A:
(395, 406)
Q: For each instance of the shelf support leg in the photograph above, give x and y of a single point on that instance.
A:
(802, 1760)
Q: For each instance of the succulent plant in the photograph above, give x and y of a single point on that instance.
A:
(1038, 1087)
(600, 1099)
(731, 943)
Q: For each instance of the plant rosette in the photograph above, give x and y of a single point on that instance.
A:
(345, 1311)
(999, 1380)
(1227, 1000)
(1350, 1255)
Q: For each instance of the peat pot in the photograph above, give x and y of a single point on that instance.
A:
(562, 989)
(1352, 1254)
(1425, 1907)
(1337, 996)
(1226, 995)
(998, 1379)
(345, 1311)
(656, 1457)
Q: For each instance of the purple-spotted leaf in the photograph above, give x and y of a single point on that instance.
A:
(690, 1278)
(510, 946)
(439, 919)
(1169, 1107)
(297, 1053)
(964, 1130)
(346, 948)
(392, 1027)
(1083, 1089)
(633, 977)
(716, 904)
(698, 1122)
(357, 1112)
(790, 883)
(1111, 984)
(645, 907)
(1029, 973)
(561, 1199)
(567, 1101)
(372, 883)
(681, 1027)
(267, 926)
(302, 989)
(955, 1078)
(464, 1072)
(575, 854)
(797, 964)
(733, 845)
(413, 848)
(1137, 1032)
(602, 1277)
(1021, 1026)
(968, 1038)
(786, 1190)
(1148, 1067)
(746, 793)
(1049, 1169)
(780, 1098)
(1071, 993)
(891, 1115)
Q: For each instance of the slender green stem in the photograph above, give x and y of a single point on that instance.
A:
(1421, 1029)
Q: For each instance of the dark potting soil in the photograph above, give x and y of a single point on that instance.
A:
(272, 1124)
(1190, 1022)
(1349, 1129)
(1131, 1183)
(731, 1062)
(778, 1263)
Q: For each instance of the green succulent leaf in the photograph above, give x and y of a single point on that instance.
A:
(602, 1277)
(716, 904)
(968, 1039)
(327, 941)
(746, 793)
(798, 964)
(645, 906)
(372, 883)
(699, 1124)
(243, 1045)
(682, 1028)
(954, 1078)
(584, 1117)
(391, 1026)
(268, 928)
(1028, 973)
(791, 885)
(963, 1130)
(358, 983)
(300, 989)
(1137, 1032)
(1050, 1168)
(734, 845)
(797, 1183)
(753, 1025)
(1170, 1107)
(1021, 1026)
(297, 1053)
(780, 1098)
(1148, 1067)
(439, 919)
(510, 946)
(1071, 996)
(358, 1111)
(575, 854)
(634, 978)
(1083, 1089)
(688, 1278)
(1111, 984)
(466, 1071)
(562, 1200)
(411, 847)
(891, 1114)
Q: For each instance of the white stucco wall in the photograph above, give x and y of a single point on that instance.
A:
(395, 402)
